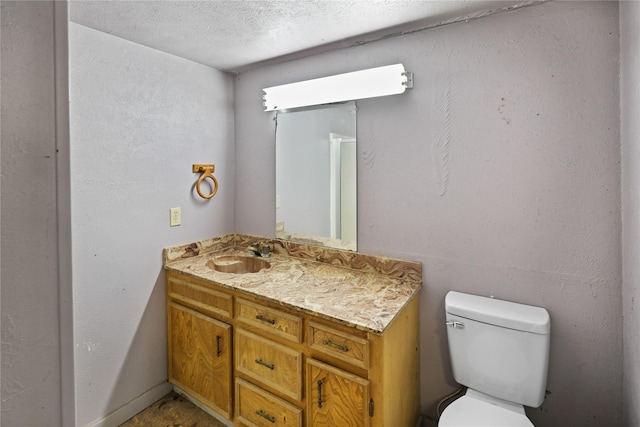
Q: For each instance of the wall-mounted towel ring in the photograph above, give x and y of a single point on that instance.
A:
(207, 172)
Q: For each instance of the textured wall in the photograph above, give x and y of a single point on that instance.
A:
(139, 119)
(30, 389)
(499, 171)
(630, 136)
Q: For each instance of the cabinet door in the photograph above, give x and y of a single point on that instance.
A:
(200, 357)
(335, 397)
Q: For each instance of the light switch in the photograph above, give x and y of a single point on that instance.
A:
(175, 216)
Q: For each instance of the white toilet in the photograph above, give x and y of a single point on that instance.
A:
(500, 351)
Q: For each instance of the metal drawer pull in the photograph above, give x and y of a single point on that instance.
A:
(219, 349)
(320, 382)
(334, 345)
(266, 416)
(265, 319)
(265, 364)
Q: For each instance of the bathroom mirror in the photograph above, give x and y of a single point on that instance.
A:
(316, 191)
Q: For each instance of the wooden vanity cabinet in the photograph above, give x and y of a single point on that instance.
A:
(199, 345)
(290, 368)
(368, 380)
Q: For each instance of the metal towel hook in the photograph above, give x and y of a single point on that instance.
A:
(207, 172)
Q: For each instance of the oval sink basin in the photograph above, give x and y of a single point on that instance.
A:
(238, 264)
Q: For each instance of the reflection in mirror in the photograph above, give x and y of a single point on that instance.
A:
(316, 197)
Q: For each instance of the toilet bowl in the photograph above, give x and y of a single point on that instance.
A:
(476, 409)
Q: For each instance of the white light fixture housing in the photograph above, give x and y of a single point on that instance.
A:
(371, 83)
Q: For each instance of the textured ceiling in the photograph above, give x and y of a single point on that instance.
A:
(237, 34)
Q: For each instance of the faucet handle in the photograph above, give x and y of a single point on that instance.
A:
(260, 249)
(265, 250)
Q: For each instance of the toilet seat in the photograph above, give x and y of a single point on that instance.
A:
(476, 409)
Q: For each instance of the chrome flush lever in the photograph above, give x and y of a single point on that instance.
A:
(456, 325)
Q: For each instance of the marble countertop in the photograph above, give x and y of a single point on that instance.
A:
(349, 294)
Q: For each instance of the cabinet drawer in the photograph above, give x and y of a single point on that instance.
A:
(340, 345)
(258, 408)
(270, 363)
(199, 297)
(269, 319)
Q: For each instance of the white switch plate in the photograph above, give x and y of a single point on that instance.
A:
(175, 216)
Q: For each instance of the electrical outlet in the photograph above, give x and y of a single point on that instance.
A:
(175, 216)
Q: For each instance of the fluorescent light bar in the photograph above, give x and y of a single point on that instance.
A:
(381, 81)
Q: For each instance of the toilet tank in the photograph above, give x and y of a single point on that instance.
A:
(499, 348)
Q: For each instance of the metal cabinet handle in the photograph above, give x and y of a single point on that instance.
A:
(265, 364)
(266, 416)
(219, 349)
(334, 345)
(265, 319)
(320, 382)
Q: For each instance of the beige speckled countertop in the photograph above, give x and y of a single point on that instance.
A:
(362, 291)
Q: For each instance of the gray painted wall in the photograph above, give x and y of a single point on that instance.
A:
(499, 171)
(630, 137)
(139, 119)
(31, 378)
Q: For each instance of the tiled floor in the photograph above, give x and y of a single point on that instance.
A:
(173, 410)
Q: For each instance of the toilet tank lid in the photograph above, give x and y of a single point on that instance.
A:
(497, 312)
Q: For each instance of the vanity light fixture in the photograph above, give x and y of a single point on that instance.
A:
(371, 83)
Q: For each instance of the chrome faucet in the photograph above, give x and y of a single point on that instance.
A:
(260, 249)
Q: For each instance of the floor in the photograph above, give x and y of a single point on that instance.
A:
(173, 410)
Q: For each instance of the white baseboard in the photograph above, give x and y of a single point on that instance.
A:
(134, 406)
